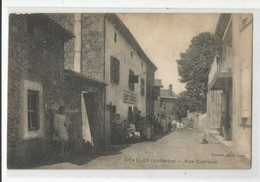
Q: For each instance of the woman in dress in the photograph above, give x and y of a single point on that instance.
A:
(61, 125)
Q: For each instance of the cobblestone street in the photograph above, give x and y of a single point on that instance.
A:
(174, 150)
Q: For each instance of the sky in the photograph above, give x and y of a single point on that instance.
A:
(164, 36)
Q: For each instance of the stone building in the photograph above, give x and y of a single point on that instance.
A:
(167, 101)
(105, 50)
(156, 95)
(35, 85)
(230, 83)
(84, 76)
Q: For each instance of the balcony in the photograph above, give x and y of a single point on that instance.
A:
(129, 97)
(220, 75)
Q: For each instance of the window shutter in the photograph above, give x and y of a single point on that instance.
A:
(142, 87)
(115, 70)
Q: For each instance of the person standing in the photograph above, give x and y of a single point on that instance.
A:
(118, 130)
(174, 123)
(61, 124)
(138, 121)
(181, 124)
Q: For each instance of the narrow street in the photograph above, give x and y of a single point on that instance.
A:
(174, 150)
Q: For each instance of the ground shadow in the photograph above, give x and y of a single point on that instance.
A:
(77, 158)
(81, 158)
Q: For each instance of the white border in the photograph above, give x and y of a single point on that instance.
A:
(155, 6)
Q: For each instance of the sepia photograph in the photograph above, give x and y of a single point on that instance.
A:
(130, 91)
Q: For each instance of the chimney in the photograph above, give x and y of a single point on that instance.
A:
(170, 87)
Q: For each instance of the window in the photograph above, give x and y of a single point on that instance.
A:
(132, 54)
(142, 64)
(142, 87)
(115, 37)
(33, 109)
(115, 70)
(131, 84)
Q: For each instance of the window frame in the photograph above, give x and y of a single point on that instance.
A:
(33, 109)
(25, 132)
(131, 86)
(114, 77)
(115, 37)
(142, 86)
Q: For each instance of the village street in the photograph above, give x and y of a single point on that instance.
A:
(174, 150)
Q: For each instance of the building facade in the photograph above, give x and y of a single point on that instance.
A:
(156, 95)
(105, 50)
(230, 82)
(35, 86)
(123, 58)
(167, 101)
(84, 76)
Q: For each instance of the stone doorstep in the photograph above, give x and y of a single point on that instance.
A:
(216, 135)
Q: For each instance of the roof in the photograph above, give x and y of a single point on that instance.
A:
(49, 25)
(73, 74)
(222, 24)
(158, 83)
(113, 18)
(167, 93)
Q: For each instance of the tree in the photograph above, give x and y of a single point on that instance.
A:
(193, 68)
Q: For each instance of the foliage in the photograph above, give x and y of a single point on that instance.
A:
(193, 67)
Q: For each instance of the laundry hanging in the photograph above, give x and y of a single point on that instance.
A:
(87, 137)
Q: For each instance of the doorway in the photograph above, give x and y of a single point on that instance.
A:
(88, 112)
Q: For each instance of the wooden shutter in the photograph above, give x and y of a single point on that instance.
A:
(114, 70)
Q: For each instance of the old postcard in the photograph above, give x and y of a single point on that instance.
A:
(129, 91)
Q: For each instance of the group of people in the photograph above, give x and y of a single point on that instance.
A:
(165, 124)
(132, 130)
(139, 128)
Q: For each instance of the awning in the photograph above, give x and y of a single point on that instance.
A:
(221, 81)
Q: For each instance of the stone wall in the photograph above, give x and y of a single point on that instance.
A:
(149, 90)
(93, 37)
(66, 20)
(75, 85)
(35, 56)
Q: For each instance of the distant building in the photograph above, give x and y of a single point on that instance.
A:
(35, 85)
(156, 95)
(164, 99)
(230, 83)
(167, 101)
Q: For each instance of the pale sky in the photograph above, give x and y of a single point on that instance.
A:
(164, 36)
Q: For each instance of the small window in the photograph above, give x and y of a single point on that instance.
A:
(115, 70)
(132, 54)
(142, 87)
(131, 84)
(115, 37)
(33, 109)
